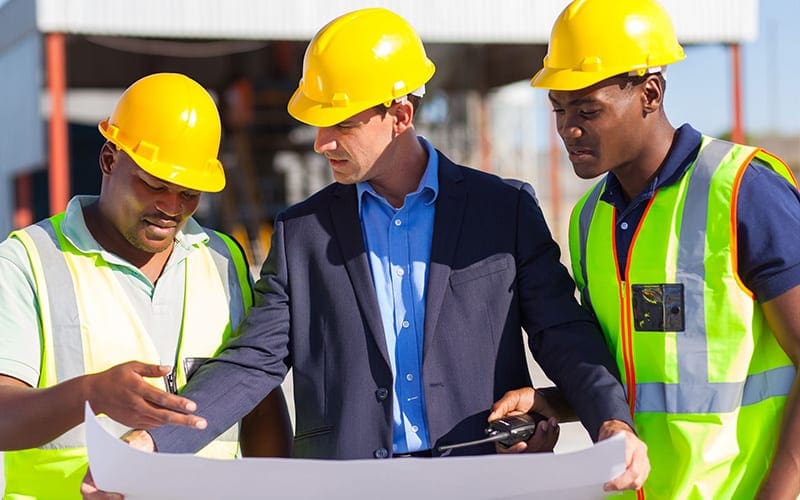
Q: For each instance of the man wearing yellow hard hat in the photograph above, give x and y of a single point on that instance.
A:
(397, 294)
(126, 275)
(686, 251)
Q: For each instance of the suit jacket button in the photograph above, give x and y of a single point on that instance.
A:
(381, 453)
(382, 393)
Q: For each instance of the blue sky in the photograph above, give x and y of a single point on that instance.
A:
(700, 87)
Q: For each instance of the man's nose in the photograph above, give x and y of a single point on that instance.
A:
(170, 204)
(569, 129)
(325, 140)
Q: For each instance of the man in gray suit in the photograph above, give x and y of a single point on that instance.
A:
(398, 293)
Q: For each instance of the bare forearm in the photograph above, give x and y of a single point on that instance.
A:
(32, 417)
(783, 479)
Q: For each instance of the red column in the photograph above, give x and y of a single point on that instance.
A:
(23, 201)
(58, 173)
(737, 131)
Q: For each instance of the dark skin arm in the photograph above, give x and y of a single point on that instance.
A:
(267, 431)
(783, 479)
(32, 417)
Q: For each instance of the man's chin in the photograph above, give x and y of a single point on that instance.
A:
(344, 179)
(151, 245)
(586, 172)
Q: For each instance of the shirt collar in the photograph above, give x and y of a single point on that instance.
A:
(682, 152)
(429, 183)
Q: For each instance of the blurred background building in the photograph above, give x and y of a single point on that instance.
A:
(65, 62)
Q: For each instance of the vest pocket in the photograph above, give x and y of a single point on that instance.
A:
(190, 366)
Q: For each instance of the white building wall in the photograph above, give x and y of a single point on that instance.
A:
(468, 21)
(23, 137)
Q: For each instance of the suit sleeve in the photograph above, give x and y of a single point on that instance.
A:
(564, 338)
(248, 368)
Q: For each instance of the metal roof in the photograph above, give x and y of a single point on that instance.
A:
(447, 21)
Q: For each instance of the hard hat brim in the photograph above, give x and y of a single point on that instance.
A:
(211, 181)
(568, 79)
(319, 114)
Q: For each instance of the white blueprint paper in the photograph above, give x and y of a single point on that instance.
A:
(578, 475)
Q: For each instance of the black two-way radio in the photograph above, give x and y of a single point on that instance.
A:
(506, 431)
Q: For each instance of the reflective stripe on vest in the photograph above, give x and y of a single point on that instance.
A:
(695, 393)
(81, 317)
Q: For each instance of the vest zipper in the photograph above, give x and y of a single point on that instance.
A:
(169, 381)
(627, 345)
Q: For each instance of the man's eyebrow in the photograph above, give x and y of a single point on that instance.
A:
(574, 102)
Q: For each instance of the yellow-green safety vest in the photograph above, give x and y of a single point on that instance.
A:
(705, 377)
(76, 321)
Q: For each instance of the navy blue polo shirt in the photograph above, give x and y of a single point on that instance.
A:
(768, 218)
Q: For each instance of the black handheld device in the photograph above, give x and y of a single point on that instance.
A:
(512, 429)
(506, 431)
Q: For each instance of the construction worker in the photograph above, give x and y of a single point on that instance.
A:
(397, 294)
(686, 252)
(128, 275)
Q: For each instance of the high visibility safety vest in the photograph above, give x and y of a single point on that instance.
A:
(88, 325)
(705, 377)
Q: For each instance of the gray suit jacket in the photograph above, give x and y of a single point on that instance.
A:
(494, 269)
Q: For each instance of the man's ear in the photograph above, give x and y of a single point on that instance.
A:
(108, 155)
(652, 94)
(403, 112)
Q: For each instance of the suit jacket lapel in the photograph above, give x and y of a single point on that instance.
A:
(347, 226)
(446, 230)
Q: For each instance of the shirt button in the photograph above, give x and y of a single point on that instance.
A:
(414, 428)
(400, 272)
(398, 222)
(382, 393)
(405, 324)
(409, 377)
(624, 226)
(381, 453)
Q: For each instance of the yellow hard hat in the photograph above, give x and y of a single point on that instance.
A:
(361, 59)
(596, 39)
(169, 125)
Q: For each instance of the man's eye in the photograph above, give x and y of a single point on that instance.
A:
(589, 112)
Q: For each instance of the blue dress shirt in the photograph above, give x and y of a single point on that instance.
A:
(398, 241)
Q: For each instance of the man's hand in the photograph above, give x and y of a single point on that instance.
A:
(122, 393)
(521, 401)
(90, 492)
(637, 464)
(137, 438)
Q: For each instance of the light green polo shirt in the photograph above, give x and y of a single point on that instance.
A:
(159, 306)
